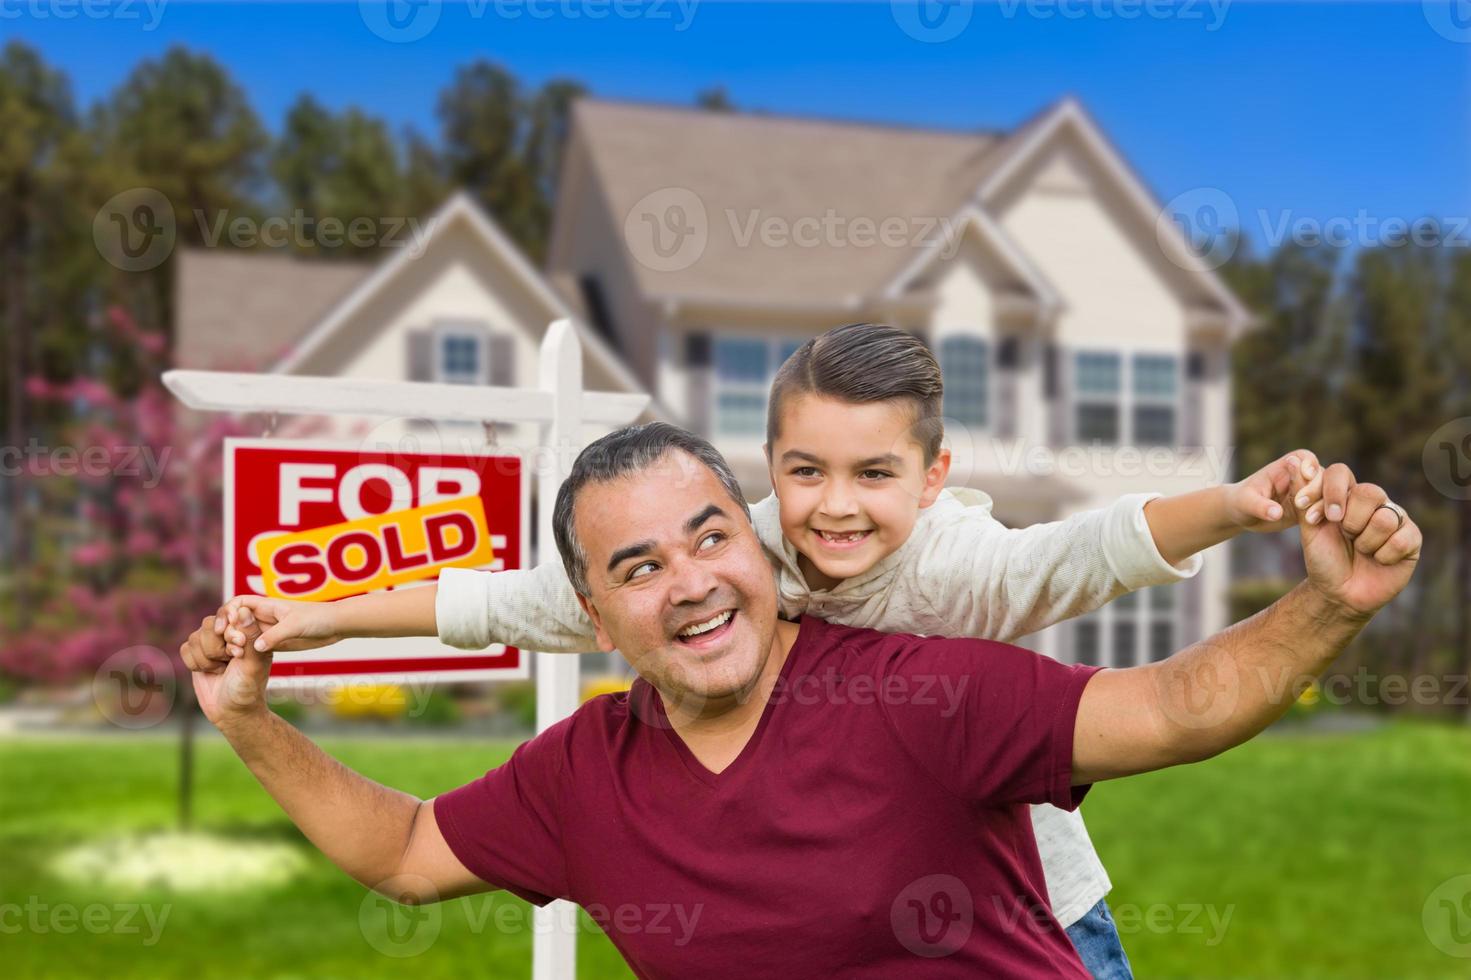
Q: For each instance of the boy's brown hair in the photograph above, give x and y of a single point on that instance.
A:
(862, 363)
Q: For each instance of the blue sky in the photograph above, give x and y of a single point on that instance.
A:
(1299, 110)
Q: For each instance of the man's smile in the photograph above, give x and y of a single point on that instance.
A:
(706, 632)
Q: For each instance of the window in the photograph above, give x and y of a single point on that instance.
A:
(965, 363)
(743, 369)
(1099, 392)
(460, 356)
(1104, 402)
(1156, 383)
(1135, 628)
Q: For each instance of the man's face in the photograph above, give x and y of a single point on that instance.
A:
(678, 580)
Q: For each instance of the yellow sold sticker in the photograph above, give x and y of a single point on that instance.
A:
(377, 551)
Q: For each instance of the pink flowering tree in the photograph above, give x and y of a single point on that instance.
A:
(133, 522)
(131, 508)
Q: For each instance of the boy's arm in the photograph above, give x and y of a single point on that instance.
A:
(983, 579)
(1188, 523)
(986, 580)
(534, 609)
(289, 625)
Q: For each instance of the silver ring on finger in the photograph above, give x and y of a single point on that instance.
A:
(1394, 509)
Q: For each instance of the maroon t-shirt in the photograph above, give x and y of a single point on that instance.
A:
(874, 825)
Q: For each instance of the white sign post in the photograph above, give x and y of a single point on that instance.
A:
(558, 405)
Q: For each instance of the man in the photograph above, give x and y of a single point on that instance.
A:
(808, 799)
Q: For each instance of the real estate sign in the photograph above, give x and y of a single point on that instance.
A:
(319, 522)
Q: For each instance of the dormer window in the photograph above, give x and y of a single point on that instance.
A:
(460, 354)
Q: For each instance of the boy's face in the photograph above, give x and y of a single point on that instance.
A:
(851, 480)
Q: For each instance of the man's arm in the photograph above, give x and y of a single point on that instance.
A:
(1224, 690)
(387, 840)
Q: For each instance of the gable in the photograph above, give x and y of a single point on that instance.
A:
(1066, 195)
(464, 271)
(455, 279)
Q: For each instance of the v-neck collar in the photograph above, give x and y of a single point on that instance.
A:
(697, 768)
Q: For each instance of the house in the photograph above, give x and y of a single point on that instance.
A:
(1085, 352)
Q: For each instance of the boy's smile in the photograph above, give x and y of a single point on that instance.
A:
(851, 480)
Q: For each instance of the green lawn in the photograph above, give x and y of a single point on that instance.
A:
(1322, 850)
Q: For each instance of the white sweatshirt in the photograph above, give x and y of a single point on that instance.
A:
(960, 573)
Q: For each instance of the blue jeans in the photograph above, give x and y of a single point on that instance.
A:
(1097, 940)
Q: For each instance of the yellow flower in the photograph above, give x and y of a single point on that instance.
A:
(385, 701)
(604, 684)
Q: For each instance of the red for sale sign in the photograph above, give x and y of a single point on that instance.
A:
(319, 522)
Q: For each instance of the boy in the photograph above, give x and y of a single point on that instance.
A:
(862, 532)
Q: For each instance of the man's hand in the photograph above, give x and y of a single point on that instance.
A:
(229, 687)
(1362, 556)
(1265, 501)
(287, 625)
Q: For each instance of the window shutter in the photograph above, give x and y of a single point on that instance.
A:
(697, 350)
(1008, 353)
(1055, 383)
(1192, 406)
(501, 349)
(419, 357)
(698, 355)
(1008, 360)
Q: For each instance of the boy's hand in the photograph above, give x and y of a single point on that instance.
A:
(1265, 501)
(229, 687)
(276, 624)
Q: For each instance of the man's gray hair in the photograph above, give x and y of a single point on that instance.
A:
(622, 453)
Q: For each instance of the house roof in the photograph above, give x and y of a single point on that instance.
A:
(746, 168)
(241, 310)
